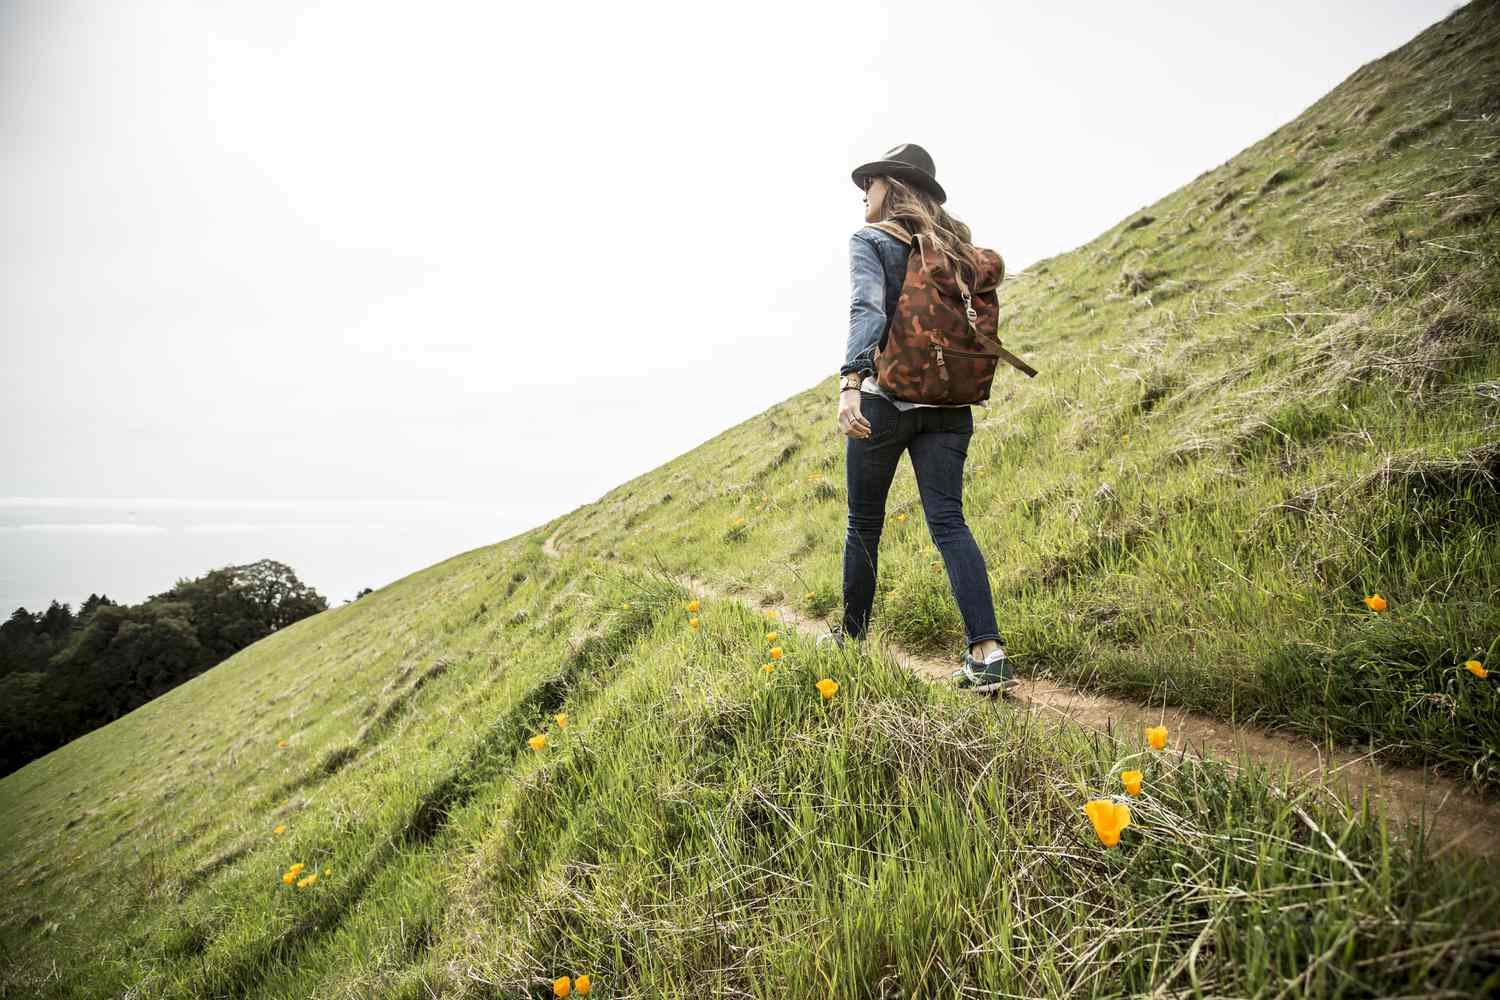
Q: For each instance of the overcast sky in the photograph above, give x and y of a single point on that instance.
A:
(512, 254)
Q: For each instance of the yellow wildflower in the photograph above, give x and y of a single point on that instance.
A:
(281, 743)
(740, 519)
(772, 613)
(1109, 819)
(296, 868)
(775, 652)
(1476, 668)
(288, 877)
(1376, 602)
(626, 605)
(562, 720)
(827, 687)
(562, 986)
(537, 742)
(1132, 781)
(768, 668)
(583, 984)
(1157, 737)
(693, 621)
(770, 636)
(810, 594)
(303, 883)
(693, 604)
(280, 828)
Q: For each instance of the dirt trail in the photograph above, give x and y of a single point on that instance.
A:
(1454, 817)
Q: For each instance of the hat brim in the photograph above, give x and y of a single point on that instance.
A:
(905, 171)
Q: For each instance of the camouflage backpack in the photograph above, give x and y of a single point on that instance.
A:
(944, 343)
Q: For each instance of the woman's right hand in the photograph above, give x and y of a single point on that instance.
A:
(851, 421)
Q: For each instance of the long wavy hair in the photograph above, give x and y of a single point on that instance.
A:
(919, 212)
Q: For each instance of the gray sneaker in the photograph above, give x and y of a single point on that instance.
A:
(994, 674)
(834, 636)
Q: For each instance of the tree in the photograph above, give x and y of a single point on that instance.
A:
(62, 675)
(275, 590)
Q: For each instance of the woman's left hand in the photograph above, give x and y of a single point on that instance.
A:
(851, 420)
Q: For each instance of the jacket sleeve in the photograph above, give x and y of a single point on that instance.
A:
(866, 306)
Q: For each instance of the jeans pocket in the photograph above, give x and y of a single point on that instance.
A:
(877, 412)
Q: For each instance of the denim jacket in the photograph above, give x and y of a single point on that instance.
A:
(877, 268)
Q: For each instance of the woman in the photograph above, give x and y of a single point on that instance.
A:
(901, 187)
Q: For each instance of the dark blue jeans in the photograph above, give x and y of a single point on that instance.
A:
(938, 439)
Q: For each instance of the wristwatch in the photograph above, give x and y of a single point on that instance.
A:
(853, 380)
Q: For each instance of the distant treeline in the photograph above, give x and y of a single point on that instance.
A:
(63, 675)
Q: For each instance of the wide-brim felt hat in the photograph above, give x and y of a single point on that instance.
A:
(909, 162)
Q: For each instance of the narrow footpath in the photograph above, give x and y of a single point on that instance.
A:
(1455, 818)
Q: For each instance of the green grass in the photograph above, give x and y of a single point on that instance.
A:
(700, 826)
(1287, 382)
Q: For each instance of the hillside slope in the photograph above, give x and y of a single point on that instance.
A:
(1268, 395)
(1287, 380)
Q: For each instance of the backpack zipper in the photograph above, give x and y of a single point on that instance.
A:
(942, 365)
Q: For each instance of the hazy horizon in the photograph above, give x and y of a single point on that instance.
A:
(127, 549)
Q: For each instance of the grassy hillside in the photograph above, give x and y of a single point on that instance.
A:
(1263, 398)
(1286, 379)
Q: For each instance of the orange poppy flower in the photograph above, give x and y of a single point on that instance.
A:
(693, 621)
(1376, 602)
(1132, 781)
(562, 720)
(827, 687)
(770, 636)
(693, 604)
(583, 984)
(768, 668)
(775, 652)
(1476, 668)
(280, 828)
(537, 742)
(1157, 737)
(562, 986)
(1109, 819)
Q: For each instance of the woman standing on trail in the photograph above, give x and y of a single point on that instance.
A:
(901, 188)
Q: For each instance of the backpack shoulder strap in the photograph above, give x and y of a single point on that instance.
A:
(895, 229)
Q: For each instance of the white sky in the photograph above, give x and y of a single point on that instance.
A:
(518, 254)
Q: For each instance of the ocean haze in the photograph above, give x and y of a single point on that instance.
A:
(60, 548)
